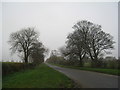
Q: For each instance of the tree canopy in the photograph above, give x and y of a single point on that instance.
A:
(24, 41)
(88, 39)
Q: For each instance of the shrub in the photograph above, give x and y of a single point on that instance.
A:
(112, 64)
(8, 67)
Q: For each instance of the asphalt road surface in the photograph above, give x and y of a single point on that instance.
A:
(88, 79)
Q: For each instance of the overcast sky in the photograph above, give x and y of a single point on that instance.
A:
(54, 21)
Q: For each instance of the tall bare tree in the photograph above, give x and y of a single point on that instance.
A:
(21, 41)
(94, 40)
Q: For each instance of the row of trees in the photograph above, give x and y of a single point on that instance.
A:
(26, 43)
(87, 40)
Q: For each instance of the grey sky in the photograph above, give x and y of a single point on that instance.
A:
(54, 21)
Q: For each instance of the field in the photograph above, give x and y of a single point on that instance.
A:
(40, 77)
(101, 70)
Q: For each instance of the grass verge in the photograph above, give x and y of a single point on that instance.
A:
(40, 77)
(101, 70)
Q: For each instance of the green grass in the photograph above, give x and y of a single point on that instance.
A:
(101, 70)
(40, 77)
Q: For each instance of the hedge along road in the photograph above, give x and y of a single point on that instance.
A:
(88, 79)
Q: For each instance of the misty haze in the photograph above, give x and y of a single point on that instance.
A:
(63, 40)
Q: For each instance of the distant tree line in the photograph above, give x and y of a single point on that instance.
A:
(108, 62)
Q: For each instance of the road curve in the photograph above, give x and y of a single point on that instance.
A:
(87, 79)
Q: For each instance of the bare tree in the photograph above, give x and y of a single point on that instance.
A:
(94, 40)
(75, 46)
(21, 41)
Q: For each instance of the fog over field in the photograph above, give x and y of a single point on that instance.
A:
(54, 21)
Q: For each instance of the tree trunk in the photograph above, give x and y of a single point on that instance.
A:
(95, 63)
(25, 57)
(26, 60)
(81, 61)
